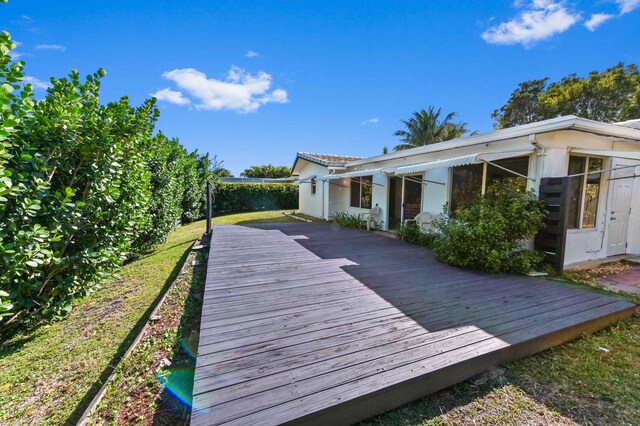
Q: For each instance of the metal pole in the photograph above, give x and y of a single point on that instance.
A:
(209, 207)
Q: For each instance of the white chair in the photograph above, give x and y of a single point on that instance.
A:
(425, 222)
(372, 217)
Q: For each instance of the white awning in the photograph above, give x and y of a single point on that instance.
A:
(306, 179)
(359, 173)
(632, 155)
(461, 161)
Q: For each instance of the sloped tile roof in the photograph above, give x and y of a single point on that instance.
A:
(327, 159)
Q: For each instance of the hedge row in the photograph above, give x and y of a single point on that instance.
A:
(245, 197)
(83, 187)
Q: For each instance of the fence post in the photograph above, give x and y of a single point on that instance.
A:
(209, 207)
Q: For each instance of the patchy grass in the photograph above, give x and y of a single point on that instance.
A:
(50, 374)
(164, 358)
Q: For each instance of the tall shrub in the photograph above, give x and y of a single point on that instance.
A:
(489, 235)
(79, 198)
(244, 197)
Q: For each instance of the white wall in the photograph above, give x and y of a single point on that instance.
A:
(308, 203)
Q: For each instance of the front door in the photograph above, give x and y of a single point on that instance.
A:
(405, 199)
(621, 188)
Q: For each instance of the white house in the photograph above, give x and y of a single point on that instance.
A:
(588, 172)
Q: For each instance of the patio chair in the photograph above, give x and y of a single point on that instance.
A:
(425, 221)
(372, 217)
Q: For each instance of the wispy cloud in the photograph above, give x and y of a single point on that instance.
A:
(627, 6)
(14, 53)
(36, 83)
(171, 96)
(26, 18)
(239, 91)
(251, 54)
(540, 20)
(374, 120)
(57, 47)
(597, 19)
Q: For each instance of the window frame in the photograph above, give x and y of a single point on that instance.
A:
(583, 191)
(314, 186)
(485, 167)
(360, 186)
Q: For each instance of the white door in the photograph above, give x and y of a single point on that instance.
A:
(621, 190)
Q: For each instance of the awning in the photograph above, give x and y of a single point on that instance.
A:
(461, 161)
(351, 174)
(632, 155)
(306, 179)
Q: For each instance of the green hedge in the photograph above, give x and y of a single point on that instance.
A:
(245, 197)
(84, 186)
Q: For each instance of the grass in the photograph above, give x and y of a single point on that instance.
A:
(49, 375)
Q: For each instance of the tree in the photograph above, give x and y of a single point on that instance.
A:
(222, 172)
(268, 171)
(426, 127)
(610, 96)
(523, 106)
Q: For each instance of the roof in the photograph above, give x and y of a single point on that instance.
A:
(634, 124)
(324, 159)
(569, 122)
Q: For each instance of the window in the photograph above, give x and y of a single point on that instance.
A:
(313, 186)
(361, 188)
(468, 183)
(584, 191)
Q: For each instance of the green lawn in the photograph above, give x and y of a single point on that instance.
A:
(50, 374)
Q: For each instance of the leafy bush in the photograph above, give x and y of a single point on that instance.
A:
(411, 233)
(348, 220)
(233, 197)
(488, 236)
(82, 187)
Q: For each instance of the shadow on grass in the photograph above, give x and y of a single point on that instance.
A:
(126, 343)
(175, 408)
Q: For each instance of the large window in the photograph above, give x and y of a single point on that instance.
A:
(468, 183)
(584, 191)
(361, 192)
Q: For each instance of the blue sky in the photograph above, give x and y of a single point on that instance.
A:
(254, 82)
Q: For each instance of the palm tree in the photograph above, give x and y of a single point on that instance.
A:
(426, 128)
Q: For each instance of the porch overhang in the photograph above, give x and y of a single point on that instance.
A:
(461, 161)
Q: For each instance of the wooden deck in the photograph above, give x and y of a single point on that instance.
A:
(315, 324)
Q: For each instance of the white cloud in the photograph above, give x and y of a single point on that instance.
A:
(597, 19)
(251, 54)
(57, 47)
(26, 18)
(541, 20)
(171, 96)
(374, 120)
(240, 91)
(627, 6)
(35, 82)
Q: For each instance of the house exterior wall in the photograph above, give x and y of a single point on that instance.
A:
(309, 203)
(551, 161)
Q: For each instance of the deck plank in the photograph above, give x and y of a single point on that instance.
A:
(316, 324)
